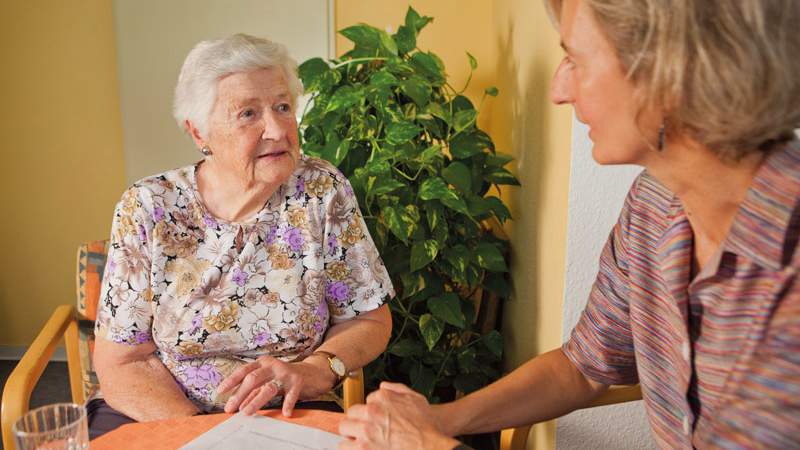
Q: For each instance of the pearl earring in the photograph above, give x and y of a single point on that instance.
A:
(205, 151)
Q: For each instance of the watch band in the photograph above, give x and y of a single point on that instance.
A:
(324, 353)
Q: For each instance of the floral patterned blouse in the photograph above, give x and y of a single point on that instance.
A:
(214, 295)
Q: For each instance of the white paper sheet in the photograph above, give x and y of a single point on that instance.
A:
(242, 432)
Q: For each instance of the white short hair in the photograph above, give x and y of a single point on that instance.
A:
(209, 61)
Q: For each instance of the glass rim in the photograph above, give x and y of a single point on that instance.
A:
(82, 415)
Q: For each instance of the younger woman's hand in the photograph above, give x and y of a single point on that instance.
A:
(394, 417)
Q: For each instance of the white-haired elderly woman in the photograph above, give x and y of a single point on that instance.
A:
(242, 279)
(698, 292)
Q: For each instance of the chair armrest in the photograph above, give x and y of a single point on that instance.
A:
(20, 384)
(617, 394)
(353, 390)
(516, 438)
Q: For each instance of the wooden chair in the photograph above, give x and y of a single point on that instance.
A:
(76, 326)
(517, 438)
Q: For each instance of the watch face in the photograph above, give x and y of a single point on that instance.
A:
(338, 367)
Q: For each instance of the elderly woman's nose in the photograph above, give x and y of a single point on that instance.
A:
(559, 88)
(274, 128)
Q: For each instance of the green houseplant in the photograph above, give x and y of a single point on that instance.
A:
(422, 171)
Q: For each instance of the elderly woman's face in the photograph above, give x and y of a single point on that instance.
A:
(252, 130)
(592, 80)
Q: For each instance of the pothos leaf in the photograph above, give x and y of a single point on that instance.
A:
(422, 253)
(448, 309)
(473, 63)
(431, 329)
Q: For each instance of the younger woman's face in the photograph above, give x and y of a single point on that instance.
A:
(591, 79)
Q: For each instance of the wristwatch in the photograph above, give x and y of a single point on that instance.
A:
(337, 365)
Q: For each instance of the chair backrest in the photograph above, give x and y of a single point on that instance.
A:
(91, 263)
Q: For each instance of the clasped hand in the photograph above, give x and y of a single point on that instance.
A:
(395, 417)
(255, 384)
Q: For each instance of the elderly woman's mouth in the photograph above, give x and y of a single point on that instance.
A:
(275, 154)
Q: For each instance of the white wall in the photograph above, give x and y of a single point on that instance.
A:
(596, 195)
(153, 38)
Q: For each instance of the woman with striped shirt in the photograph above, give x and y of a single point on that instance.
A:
(698, 293)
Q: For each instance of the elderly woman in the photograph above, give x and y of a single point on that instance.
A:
(698, 293)
(242, 279)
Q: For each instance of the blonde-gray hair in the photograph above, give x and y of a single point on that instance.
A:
(726, 72)
(209, 61)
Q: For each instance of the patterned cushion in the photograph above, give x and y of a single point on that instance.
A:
(91, 387)
(91, 263)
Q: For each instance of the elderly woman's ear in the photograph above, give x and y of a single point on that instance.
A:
(194, 133)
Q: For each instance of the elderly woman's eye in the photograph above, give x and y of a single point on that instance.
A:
(247, 113)
(284, 107)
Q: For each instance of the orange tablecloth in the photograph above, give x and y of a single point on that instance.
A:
(174, 433)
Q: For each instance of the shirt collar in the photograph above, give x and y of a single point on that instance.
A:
(766, 227)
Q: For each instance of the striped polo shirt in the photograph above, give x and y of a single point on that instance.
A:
(717, 356)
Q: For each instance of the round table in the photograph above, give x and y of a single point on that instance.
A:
(174, 433)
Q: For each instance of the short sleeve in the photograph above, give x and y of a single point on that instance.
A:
(124, 310)
(356, 280)
(601, 344)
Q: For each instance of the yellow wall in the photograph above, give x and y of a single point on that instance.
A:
(517, 50)
(60, 152)
(539, 136)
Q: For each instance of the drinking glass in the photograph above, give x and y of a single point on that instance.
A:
(61, 426)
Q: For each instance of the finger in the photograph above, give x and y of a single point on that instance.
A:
(357, 412)
(353, 429)
(252, 381)
(247, 400)
(380, 396)
(347, 444)
(372, 395)
(236, 377)
(232, 405)
(262, 397)
(291, 397)
(397, 387)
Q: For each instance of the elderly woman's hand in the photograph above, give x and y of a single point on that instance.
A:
(262, 380)
(394, 417)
